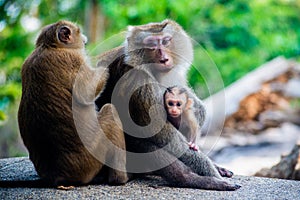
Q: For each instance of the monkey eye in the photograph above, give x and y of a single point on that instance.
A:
(170, 103)
(150, 43)
(166, 41)
(151, 46)
(178, 104)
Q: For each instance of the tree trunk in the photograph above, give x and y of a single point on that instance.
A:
(94, 21)
(227, 101)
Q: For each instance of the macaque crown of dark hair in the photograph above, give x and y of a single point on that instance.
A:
(181, 90)
(62, 34)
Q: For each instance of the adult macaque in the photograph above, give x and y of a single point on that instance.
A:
(57, 103)
(156, 56)
(180, 112)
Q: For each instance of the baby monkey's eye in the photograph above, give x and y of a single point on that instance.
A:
(178, 104)
(170, 103)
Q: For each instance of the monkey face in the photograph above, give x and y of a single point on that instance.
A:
(175, 103)
(156, 44)
(162, 46)
(157, 50)
(174, 107)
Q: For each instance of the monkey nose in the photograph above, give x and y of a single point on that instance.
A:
(174, 111)
(163, 61)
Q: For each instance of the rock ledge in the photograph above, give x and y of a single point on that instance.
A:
(146, 188)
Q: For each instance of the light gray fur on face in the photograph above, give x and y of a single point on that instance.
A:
(182, 45)
(181, 48)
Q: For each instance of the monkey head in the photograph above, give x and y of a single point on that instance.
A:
(67, 35)
(176, 101)
(162, 45)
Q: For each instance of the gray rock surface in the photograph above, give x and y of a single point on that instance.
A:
(150, 187)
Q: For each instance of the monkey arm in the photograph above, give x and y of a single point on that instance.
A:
(106, 58)
(100, 78)
(167, 136)
(192, 123)
(200, 111)
(146, 117)
(144, 96)
(88, 84)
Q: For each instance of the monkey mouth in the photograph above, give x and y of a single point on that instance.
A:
(164, 66)
(174, 115)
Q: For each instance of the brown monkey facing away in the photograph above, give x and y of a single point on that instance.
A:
(156, 56)
(47, 111)
(180, 112)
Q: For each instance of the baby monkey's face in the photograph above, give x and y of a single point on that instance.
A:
(175, 104)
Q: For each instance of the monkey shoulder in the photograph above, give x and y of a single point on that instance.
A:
(116, 55)
(142, 92)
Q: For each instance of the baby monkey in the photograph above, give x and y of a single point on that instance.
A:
(180, 112)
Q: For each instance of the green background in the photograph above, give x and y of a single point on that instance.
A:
(236, 35)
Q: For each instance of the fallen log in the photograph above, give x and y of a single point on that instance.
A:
(228, 101)
(287, 168)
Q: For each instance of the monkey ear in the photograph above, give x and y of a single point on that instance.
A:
(64, 35)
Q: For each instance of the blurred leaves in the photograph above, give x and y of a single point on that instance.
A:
(238, 35)
(2, 116)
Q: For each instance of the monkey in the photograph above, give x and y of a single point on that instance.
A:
(180, 113)
(155, 56)
(189, 127)
(50, 101)
(183, 106)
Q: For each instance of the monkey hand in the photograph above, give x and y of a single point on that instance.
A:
(193, 146)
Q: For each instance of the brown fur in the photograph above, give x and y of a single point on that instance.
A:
(47, 110)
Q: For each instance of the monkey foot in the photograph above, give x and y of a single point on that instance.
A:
(61, 187)
(232, 187)
(117, 178)
(193, 146)
(224, 172)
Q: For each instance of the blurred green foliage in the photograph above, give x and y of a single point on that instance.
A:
(238, 35)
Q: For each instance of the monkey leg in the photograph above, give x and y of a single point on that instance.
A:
(199, 163)
(178, 174)
(213, 169)
(116, 156)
